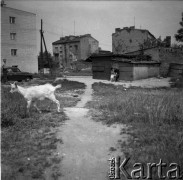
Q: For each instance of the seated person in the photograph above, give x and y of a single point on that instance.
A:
(113, 75)
(116, 71)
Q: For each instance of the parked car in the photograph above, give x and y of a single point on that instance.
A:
(14, 74)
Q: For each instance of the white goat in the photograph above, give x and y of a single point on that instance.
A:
(37, 92)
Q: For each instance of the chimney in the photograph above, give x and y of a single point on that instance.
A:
(132, 27)
(117, 29)
(71, 37)
(125, 28)
(87, 35)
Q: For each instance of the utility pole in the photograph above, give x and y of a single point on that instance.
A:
(41, 48)
(47, 54)
(43, 41)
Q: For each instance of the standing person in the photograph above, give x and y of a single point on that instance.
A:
(4, 71)
(70, 59)
(74, 60)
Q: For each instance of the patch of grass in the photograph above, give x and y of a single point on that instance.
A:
(10, 109)
(23, 145)
(45, 76)
(154, 117)
(29, 143)
(80, 73)
(177, 82)
(69, 85)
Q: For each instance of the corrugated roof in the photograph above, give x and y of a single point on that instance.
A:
(137, 62)
(122, 58)
(127, 56)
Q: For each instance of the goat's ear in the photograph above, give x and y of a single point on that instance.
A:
(15, 83)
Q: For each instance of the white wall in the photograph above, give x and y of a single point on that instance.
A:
(128, 40)
(25, 42)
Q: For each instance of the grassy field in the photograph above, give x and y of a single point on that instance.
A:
(29, 142)
(154, 118)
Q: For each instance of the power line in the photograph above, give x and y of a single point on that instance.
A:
(52, 33)
(58, 27)
(74, 27)
(105, 44)
(61, 34)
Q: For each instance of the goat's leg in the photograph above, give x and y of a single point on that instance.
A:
(34, 104)
(52, 97)
(28, 106)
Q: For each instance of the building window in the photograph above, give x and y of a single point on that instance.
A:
(12, 36)
(56, 49)
(12, 20)
(56, 57)
(13, 52)
(76, 48)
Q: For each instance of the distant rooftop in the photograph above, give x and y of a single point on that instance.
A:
(4, 6)
(132, 28)
(70, 39)
(122, 58)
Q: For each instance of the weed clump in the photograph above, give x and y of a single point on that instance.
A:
(154, 118)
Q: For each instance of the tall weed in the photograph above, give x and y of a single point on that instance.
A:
(154, 118)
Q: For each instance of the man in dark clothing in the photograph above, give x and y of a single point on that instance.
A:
(4, 71)
(116, 71)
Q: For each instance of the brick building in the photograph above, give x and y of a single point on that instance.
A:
(18, 39)
(72, 48)
(130, 39)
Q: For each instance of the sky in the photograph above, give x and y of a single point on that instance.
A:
(100, 18)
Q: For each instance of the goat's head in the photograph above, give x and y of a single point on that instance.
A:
(14, 87)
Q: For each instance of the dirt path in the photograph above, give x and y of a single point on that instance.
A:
(144, 83)
(86, 143)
